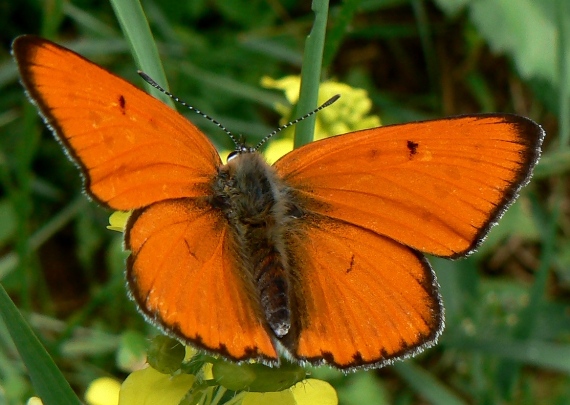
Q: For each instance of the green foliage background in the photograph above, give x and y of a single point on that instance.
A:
(507, 338)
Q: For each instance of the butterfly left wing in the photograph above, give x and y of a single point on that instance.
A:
(361, 299)
(182, 273)
(133, 149)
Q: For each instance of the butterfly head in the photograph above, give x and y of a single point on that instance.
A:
(241, 148)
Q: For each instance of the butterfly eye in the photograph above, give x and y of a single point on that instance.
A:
(239, 150)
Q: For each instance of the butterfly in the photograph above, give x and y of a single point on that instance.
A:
(319, 257)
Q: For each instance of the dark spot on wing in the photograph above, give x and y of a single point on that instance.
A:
(412, 147)
(351, 265)
(122, 103)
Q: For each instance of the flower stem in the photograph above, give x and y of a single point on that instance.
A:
(311, 73)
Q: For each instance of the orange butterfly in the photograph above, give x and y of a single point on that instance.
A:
(318, 257)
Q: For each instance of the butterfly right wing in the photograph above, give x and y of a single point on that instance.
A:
(436, 186)
(370, 203)
(182, 274)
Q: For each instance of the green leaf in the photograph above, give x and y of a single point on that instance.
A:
(311, 73)
(48, 382)
(526, 30)
(553, 356)
(426, 384)
(257, 377)
(137, 31)
(165, 354)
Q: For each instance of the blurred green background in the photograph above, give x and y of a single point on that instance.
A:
(507, 337)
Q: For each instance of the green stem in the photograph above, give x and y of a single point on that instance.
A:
(137, 32)
(311, 73)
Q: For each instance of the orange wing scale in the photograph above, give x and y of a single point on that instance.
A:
(363, 299)
(130, 158)
(208, 304)
(436, 186)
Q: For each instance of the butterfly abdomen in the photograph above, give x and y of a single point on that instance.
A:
(255, 203)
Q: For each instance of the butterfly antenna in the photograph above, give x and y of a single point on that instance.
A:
(154, 84)
(290, 123)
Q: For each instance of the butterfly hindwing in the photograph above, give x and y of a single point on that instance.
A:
(183, 275)
(362, 299)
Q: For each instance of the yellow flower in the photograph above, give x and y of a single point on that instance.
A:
(200, 377)
(150, 387)
(118, 220)
(103, 391)
(349, 113)
(306, 392)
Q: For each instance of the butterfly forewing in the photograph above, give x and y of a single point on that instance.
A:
(133, 149)
(436, 186)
